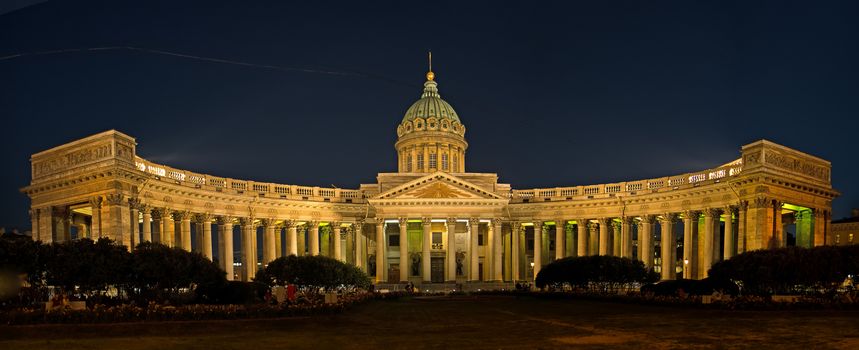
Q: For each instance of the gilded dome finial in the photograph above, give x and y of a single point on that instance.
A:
(430, 74)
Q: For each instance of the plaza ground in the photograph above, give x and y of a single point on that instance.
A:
(486, 322)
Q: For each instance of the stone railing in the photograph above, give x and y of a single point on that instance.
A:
(669, 183)
(264, 189)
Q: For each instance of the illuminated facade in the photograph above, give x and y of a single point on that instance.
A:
(432, 222)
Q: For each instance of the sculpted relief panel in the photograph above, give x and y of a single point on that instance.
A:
(796, 165)
(74, 158)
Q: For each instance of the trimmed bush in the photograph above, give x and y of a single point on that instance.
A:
(792, 270)
(313, 273)
(601, 272)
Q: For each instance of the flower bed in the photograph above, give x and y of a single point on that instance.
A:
(157, 313)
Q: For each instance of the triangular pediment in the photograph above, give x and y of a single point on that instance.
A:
(438, 185)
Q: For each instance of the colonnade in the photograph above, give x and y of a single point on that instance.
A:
(755, 224)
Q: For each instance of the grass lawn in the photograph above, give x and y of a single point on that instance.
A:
(485, 322)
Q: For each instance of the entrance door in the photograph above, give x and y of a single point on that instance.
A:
(394, 273)
(437, 270)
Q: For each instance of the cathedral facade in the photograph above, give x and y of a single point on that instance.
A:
(432, 222)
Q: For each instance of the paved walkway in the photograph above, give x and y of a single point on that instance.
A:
(470, 323)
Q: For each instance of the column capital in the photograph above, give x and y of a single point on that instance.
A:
(115, 199)
(760, 202)
(730, 209)
(223, 220)
(182, 215)
(380, 221)
(287, 223)
(334, 224)
(96, 202)
(583, 222)
(668, 218)
(403, 222)
(203, 218)
(312, 223)
(691, 214)
(743, 206)
(134, 203)
(474, 221)
(144, 208)
(647, 219)
(163, 213)
(538, 225)
(267, 222)
(604, 221)
(628, 220)
(245, 221)
(451, 221)
(616, 224)
(712, 212)
(497, 221)
(426, 221)
(515, 226)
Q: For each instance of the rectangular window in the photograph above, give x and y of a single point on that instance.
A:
(444, 161)
(394, 240)
(409, 163)
(437, 241)
(480, 239)
(433, 161)
(420, 161)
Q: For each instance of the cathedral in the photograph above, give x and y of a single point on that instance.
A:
(433, 223)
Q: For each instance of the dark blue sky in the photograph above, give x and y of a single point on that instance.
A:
(553, 94)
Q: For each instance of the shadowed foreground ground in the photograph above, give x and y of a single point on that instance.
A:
(468, 323)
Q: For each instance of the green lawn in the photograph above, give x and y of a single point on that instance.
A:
(469, 322)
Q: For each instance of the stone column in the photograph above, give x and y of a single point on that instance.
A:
(185, 232)
(147, 223)
(711, 216)
(730, 245)
(225, 243)
(582, 239)
(335, 237)
(645, 238)
(313, 232)
(95, 204)
(380, 250)
(819, 228)
(360, 247)
(497, 249)
(426, 244)
(473, 231)
(560, 234)
(205, 221)
(268, 248)
(741, 227)
(669, 246)
(538, 247)
(248, 237)
(169, 227)
(134, 207)
(616, 238)
(690, 220)
(404, 250)
(515, 232)
(451, 250)
(34, 223)
(777, 237)
(604, 222)
(291, 237)
(626, 237)
(118, 217)
(278, 241)
(759, 227)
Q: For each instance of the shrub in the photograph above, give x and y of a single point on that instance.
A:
(601, 272)
(790, 270)
(313, 273)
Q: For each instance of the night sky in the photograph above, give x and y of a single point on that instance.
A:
(552, 94)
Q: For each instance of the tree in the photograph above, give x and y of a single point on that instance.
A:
(313, 273)
(599, 272)
(158, 269)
